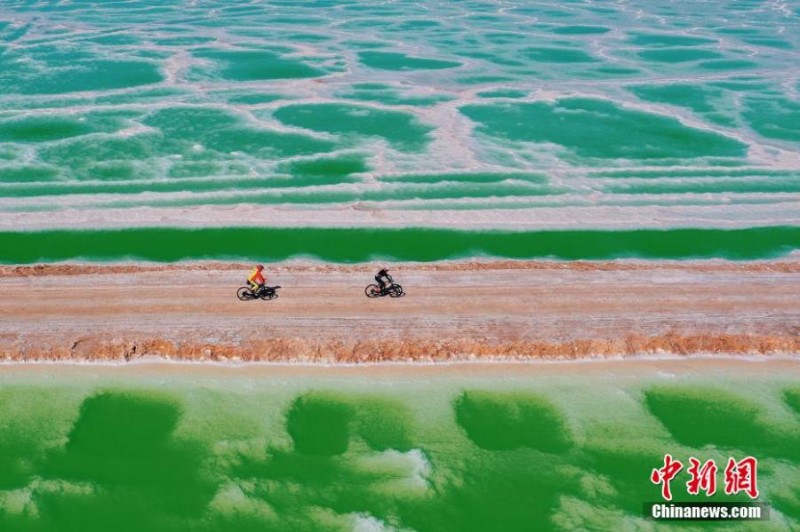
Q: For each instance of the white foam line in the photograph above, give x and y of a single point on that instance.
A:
(571, 177)
(372, 215)
(723, 359)
(581, 190)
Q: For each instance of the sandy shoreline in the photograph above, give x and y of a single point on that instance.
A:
(73, 268)
(471, 310)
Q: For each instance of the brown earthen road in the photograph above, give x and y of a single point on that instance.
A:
(451, 311)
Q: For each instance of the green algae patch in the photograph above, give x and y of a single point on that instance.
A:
(703, 100)
(188, 452)
(503, 37)
(120, 170)
(402, 130)
(600, 129)
(192, 40)
(102, 156)
(80, 74)
(660, 40)
(385, 424)
(792, 398)
(413, 244)
(192, 169)
(146, 423)
(122, 445)
(29, 422)
(678, 55)
(252, 65)
(712, 186)
(774, 117)
(323, 170)
(27, 174)
(265, 143)
(325, 423)
(715, 171)
(224, 132)
(503, 93)
(254, 99)
(319, 425)
(714, 417)
(190, 122)
(723, 65)
(557, 55)
(399, 61)
(116, 40)
(696, 98)
(769, 42)
(497, 490)
(499, 421)
(387, 95)
(580, 30)
(42, 129)
(613, 70)
(619, 464)
(698, 418)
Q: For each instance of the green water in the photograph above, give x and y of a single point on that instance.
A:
(387, 95)
(400, 129)
(705, 101)
(444, 453)
(558, 55)
(216, 104)
(612, 131)
(413, 244)
(406, 105)
(396, 61)
(246, 65)
(581, 30)
(705, 187)
(678, 55)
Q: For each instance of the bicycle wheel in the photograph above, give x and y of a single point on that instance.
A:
(372, 290)
(245, 294)
(396, 291)
(268, 294)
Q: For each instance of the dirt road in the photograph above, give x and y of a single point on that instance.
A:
(455, 311)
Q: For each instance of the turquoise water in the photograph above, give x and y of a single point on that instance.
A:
(409, 106)
(548, 452)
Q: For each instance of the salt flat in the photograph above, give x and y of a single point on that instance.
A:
(452, 311)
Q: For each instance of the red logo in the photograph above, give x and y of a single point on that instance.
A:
(664, 475)
(740, 476)
(703, 478)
